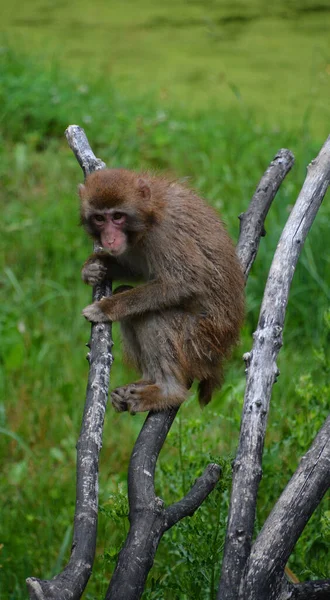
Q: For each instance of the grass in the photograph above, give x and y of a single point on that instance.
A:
(201, 55)
(43, 369)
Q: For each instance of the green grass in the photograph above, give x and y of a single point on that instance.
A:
(206, 54)
(43, 367)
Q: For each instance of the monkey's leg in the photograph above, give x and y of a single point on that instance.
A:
(150, 342)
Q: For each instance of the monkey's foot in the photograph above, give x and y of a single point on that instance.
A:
(142, 396)
(130, 397)
(95, 314)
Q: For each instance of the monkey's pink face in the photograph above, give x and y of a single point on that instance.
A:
(110, 225)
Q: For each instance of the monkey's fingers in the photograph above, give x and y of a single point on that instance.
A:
(93, 272)
(95, 314)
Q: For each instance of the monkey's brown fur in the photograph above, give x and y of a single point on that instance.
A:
(182, 322)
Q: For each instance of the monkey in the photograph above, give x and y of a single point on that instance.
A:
(183, 316)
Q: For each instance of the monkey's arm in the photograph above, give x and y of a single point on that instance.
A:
(149, 297)
(100, 266)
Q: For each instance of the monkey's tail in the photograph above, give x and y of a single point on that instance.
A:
(205, 390)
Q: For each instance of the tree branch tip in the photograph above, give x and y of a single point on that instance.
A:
(212, 472)
(213, 467)
(201, 488)
(71, 128)
(285, 151)
(284, 155)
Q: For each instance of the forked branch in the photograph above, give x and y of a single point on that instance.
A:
(252, 221)
(149, 519)
(283, 527)
(261, 374)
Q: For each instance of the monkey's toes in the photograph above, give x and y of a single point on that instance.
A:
(119, 404)
(94, 313)
(128, 398)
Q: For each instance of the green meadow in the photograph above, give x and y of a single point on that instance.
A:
(207, 91)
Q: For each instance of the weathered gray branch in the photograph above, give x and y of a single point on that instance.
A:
(261, 375)
(70, 584)
(311, 590)
(195, 497)
(252, 221)
(283, 527)
(79, 145)
(149, 519)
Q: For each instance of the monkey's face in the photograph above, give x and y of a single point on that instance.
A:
(116, 208)
(109, 227)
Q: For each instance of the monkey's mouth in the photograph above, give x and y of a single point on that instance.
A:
(114, 250)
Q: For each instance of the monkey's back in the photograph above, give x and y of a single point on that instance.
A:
(202, 260)
(191, 247)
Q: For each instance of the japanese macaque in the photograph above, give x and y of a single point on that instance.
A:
(180, 323)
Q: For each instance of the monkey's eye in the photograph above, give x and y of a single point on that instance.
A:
(118, 217)
(99, 218)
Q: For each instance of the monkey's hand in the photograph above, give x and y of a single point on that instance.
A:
(94, 271)
(95, 314)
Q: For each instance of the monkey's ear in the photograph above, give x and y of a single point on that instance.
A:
(81, 190)
(144, 189)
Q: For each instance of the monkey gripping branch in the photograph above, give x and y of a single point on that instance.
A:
(248, 572)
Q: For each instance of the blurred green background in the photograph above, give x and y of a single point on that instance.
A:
(206, 90)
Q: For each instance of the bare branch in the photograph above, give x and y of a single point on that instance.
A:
(310, 590)
(79, 145)
(145, 453)
(252, 221)
(262, 372)
(70, 584)
(202, 487)
(287, 520)
(148, 517)
(147, 513)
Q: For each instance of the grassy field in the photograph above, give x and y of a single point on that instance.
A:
(223, 148)
(199, 54)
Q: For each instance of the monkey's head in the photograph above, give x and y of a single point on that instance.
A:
(116, 208)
